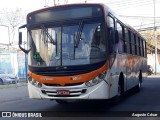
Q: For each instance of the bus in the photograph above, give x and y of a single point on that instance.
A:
(82, 52)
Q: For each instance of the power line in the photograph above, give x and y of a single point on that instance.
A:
(144, 18)
(138, 16)
(131, 4)
(123, 3)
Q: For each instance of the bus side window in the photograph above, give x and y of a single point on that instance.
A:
(137, 44)
(121, 41)
(132, 43)
(127, 41)
(111, 33)
(142, 49)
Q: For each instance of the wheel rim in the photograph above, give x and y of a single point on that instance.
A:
(139, 84)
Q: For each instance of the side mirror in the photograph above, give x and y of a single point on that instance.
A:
(20, 40)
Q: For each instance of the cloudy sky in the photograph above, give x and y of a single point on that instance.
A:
(121, 7)
(130, 8)
(125, 7)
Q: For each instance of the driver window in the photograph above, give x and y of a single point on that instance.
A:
(98, 40)
(111, 33)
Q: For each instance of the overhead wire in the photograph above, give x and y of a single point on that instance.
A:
(130, 4)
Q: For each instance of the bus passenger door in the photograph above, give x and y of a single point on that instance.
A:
(114, 71)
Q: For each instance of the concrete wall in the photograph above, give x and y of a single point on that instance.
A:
(151, 61)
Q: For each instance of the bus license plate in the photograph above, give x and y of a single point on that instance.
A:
(63, 92)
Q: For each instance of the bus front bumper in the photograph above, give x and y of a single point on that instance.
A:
(99, 91)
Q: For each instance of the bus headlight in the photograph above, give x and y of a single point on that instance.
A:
(96, 81)
(29, 78)
(88, 84)
(39, 85)
(34, 82)
(93, 82)
(102, 76)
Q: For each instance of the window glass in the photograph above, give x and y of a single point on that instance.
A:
(121, 47)
(127, 41)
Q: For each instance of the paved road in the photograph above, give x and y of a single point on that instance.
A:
(16, 99)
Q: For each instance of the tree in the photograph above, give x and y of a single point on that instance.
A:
(149, 36)
(12, 18)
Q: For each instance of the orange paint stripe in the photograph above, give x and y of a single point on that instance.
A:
(62, 80)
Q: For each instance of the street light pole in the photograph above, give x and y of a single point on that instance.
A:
(26, 63)
(155, 41)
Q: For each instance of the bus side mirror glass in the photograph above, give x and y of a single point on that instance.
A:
(116, 37)
(20, 38)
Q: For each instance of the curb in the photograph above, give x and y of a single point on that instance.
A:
(153, 76)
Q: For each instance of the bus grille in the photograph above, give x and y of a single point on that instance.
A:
(73, 93)
(70, 84)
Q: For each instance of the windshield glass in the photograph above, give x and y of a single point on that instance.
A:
(66, 46)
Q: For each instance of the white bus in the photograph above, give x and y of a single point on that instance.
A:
(82, 51)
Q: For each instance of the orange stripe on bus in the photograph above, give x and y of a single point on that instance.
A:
(62, 80)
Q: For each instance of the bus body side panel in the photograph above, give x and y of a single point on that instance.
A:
(130, 66)
(114, 75)
(122, 59)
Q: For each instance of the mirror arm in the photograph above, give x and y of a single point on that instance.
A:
(25, 51)
(23, 26)
(20, 40)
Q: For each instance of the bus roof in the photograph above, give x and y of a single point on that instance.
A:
(105, 8)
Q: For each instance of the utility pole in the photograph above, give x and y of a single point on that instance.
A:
(46, 4)
(65, 1)
(54, 2)
(155, 41)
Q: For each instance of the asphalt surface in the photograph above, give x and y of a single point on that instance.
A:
(147, 100)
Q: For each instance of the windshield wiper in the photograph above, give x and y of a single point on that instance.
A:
(45, 31)
(79, 33)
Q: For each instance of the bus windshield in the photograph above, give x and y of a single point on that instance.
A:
(67, 45)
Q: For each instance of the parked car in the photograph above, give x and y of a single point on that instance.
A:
(7, 78)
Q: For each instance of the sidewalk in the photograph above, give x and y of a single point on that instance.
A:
(154, 75)
(13, 85)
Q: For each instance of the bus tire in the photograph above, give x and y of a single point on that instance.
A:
(138, 87)
(120, 94)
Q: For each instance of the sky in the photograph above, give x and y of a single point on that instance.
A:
(121, 7)
(125, 8)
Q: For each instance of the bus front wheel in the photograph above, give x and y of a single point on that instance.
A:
(120, 93)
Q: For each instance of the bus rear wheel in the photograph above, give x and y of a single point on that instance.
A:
(138, 87)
